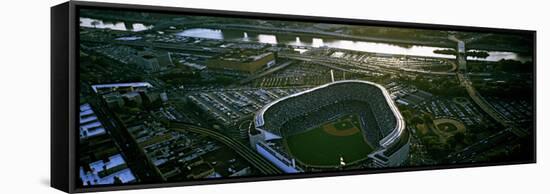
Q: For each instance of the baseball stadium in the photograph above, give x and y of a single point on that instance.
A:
(347, 124)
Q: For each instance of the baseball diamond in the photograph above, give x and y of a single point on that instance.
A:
(337, 125)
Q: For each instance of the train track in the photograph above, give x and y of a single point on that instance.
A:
(248, 154)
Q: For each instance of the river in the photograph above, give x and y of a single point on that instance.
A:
(312, 41)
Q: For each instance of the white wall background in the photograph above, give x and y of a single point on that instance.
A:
(24, 97)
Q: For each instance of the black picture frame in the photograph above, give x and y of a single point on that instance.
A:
(65, 76)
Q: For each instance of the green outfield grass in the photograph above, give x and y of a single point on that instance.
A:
(318, 147)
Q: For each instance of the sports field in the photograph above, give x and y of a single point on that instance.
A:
(324, 145)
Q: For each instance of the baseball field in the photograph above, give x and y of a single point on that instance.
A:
(323, 146)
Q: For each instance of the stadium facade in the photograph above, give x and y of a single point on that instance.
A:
(381, 123)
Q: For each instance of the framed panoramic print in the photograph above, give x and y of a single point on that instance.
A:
(146, 96)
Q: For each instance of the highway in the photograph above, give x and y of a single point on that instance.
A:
(488, 108)
(244, 151)
(326, 61)
(474, 95)
(169, 46)
(509, 132)
(480, 101)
